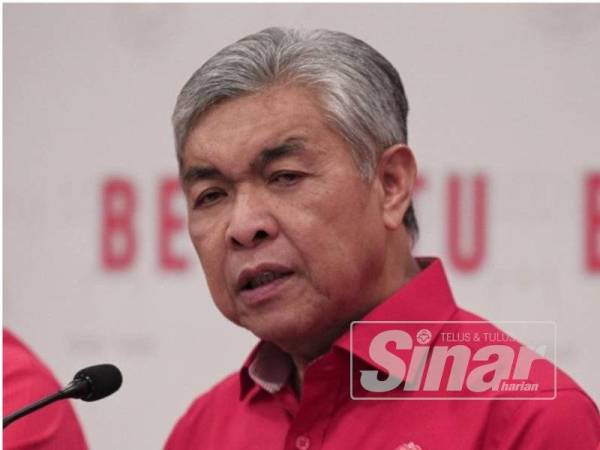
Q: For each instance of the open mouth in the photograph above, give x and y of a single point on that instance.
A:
(264, 278)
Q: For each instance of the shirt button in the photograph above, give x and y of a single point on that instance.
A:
(302, 442)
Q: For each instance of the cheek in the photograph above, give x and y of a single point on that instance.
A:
(357, 233)
(202, 243)
(206, 236)
(209, 246)
(335, 237)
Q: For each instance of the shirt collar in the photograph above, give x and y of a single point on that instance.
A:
(267, 367)
(426, 297)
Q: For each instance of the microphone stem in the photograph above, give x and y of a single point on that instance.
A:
(6, 421)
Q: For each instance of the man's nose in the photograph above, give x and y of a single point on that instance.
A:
(251, 222)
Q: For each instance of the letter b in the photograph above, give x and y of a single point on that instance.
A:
(118, 236)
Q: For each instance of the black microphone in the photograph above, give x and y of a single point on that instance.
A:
(89, 384)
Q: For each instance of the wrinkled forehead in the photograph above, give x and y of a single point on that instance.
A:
(247, 124)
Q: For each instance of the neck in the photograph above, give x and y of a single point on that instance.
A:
(309, 351)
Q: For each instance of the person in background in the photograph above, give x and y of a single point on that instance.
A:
(26, 379)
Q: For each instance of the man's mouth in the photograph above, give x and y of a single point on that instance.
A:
(264, 278)
(262, 275)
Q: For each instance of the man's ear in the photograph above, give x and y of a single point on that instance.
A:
(396, 171)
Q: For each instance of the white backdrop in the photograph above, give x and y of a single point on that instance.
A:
(511, 92)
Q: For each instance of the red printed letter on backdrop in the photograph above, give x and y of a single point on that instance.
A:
(170, 224)
(592, 222)
(118, 235)
(467, 224)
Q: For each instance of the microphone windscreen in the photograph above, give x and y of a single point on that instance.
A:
(103, 380)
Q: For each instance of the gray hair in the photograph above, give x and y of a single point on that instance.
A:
(360, 91)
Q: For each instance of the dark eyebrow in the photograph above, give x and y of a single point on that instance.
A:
(199, 173)
(268, 155)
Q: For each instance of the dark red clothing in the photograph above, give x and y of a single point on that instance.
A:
(257, 408)
(25, 380)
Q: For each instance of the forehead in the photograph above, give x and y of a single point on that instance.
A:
(248, 124)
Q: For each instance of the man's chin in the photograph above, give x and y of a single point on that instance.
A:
(293, 335)
(284, 331)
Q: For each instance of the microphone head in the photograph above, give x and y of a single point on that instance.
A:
(100, 381)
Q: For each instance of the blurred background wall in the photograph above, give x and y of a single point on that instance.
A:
(505, 106)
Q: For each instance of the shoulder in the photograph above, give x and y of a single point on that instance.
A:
(27, 379)
(202, 414)
(563, 416)
(23, 369)
(570, 420)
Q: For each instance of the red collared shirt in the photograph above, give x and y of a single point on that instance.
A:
(258, 409)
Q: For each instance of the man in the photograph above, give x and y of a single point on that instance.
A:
(293, 156)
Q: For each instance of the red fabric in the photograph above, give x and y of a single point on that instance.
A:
(25, 380)
(239, 413)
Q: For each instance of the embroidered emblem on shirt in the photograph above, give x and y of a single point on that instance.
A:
(409, 446)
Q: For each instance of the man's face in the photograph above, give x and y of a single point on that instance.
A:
(290, 236)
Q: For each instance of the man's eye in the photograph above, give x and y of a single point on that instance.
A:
(207, 198)
(285, 178)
